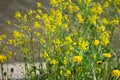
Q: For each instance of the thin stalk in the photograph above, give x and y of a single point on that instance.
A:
(94, 76)
(2, 71)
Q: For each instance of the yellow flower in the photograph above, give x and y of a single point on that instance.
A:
(77, 58)
(2, 37)
(57, 42)
(54, 2)
(96, 42)
(87, 2)
(79, 18)
(114, 22)
(65, 61)
(73, 8)
(25, 17)
(107, 55)
(8, 22)
(54, 62)
(37, 16)
(2, 58)
(96, 8)
(17, 14)
(93, 19)
(38, 4)
(46, 56)
(83, 45)
(105, 21)
(17, 35)
(30, 12)
(36, 24)
(68, 72)
(116, 73)
(101, 28)
(104, 38)
(106, 4)
(68, 40)
(9, 54)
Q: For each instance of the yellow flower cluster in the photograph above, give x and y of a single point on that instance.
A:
(2, 58)
(96, 42)
(79, 18)
(107, 55)
(115, 73)
(77, 58)
(55, 2)
(65, 34)
(17, 14)
(68, 72)
(2, 37)
(83, 45)
(96, 9)
(54, 62)
(104, 38)
(87, 2)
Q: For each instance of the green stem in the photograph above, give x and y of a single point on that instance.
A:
(2, 71)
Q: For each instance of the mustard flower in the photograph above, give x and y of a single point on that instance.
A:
(17, 14)
(9, 54)
(25, 17)
(46, 55)
(100, 28)
(2, 58)
(54, 2)
(106, 4)
(38, 4)
(2, 37)
(87, 2)
(65, 61)
(114, 22)
(105, 21)
(68, 72)
(30, 12)
(104, 36)
(96, 8)
(53, 61)
(115, 73)
(73, 8)
(79, 18)
(58, 14)
(96, 42)
(107, 55)
(68, 39)
(77, 58)
(37, 16)
(57, 42)
(83, 45)
(105, 41)
(36, 24)
(93, 19)
(16, 34)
